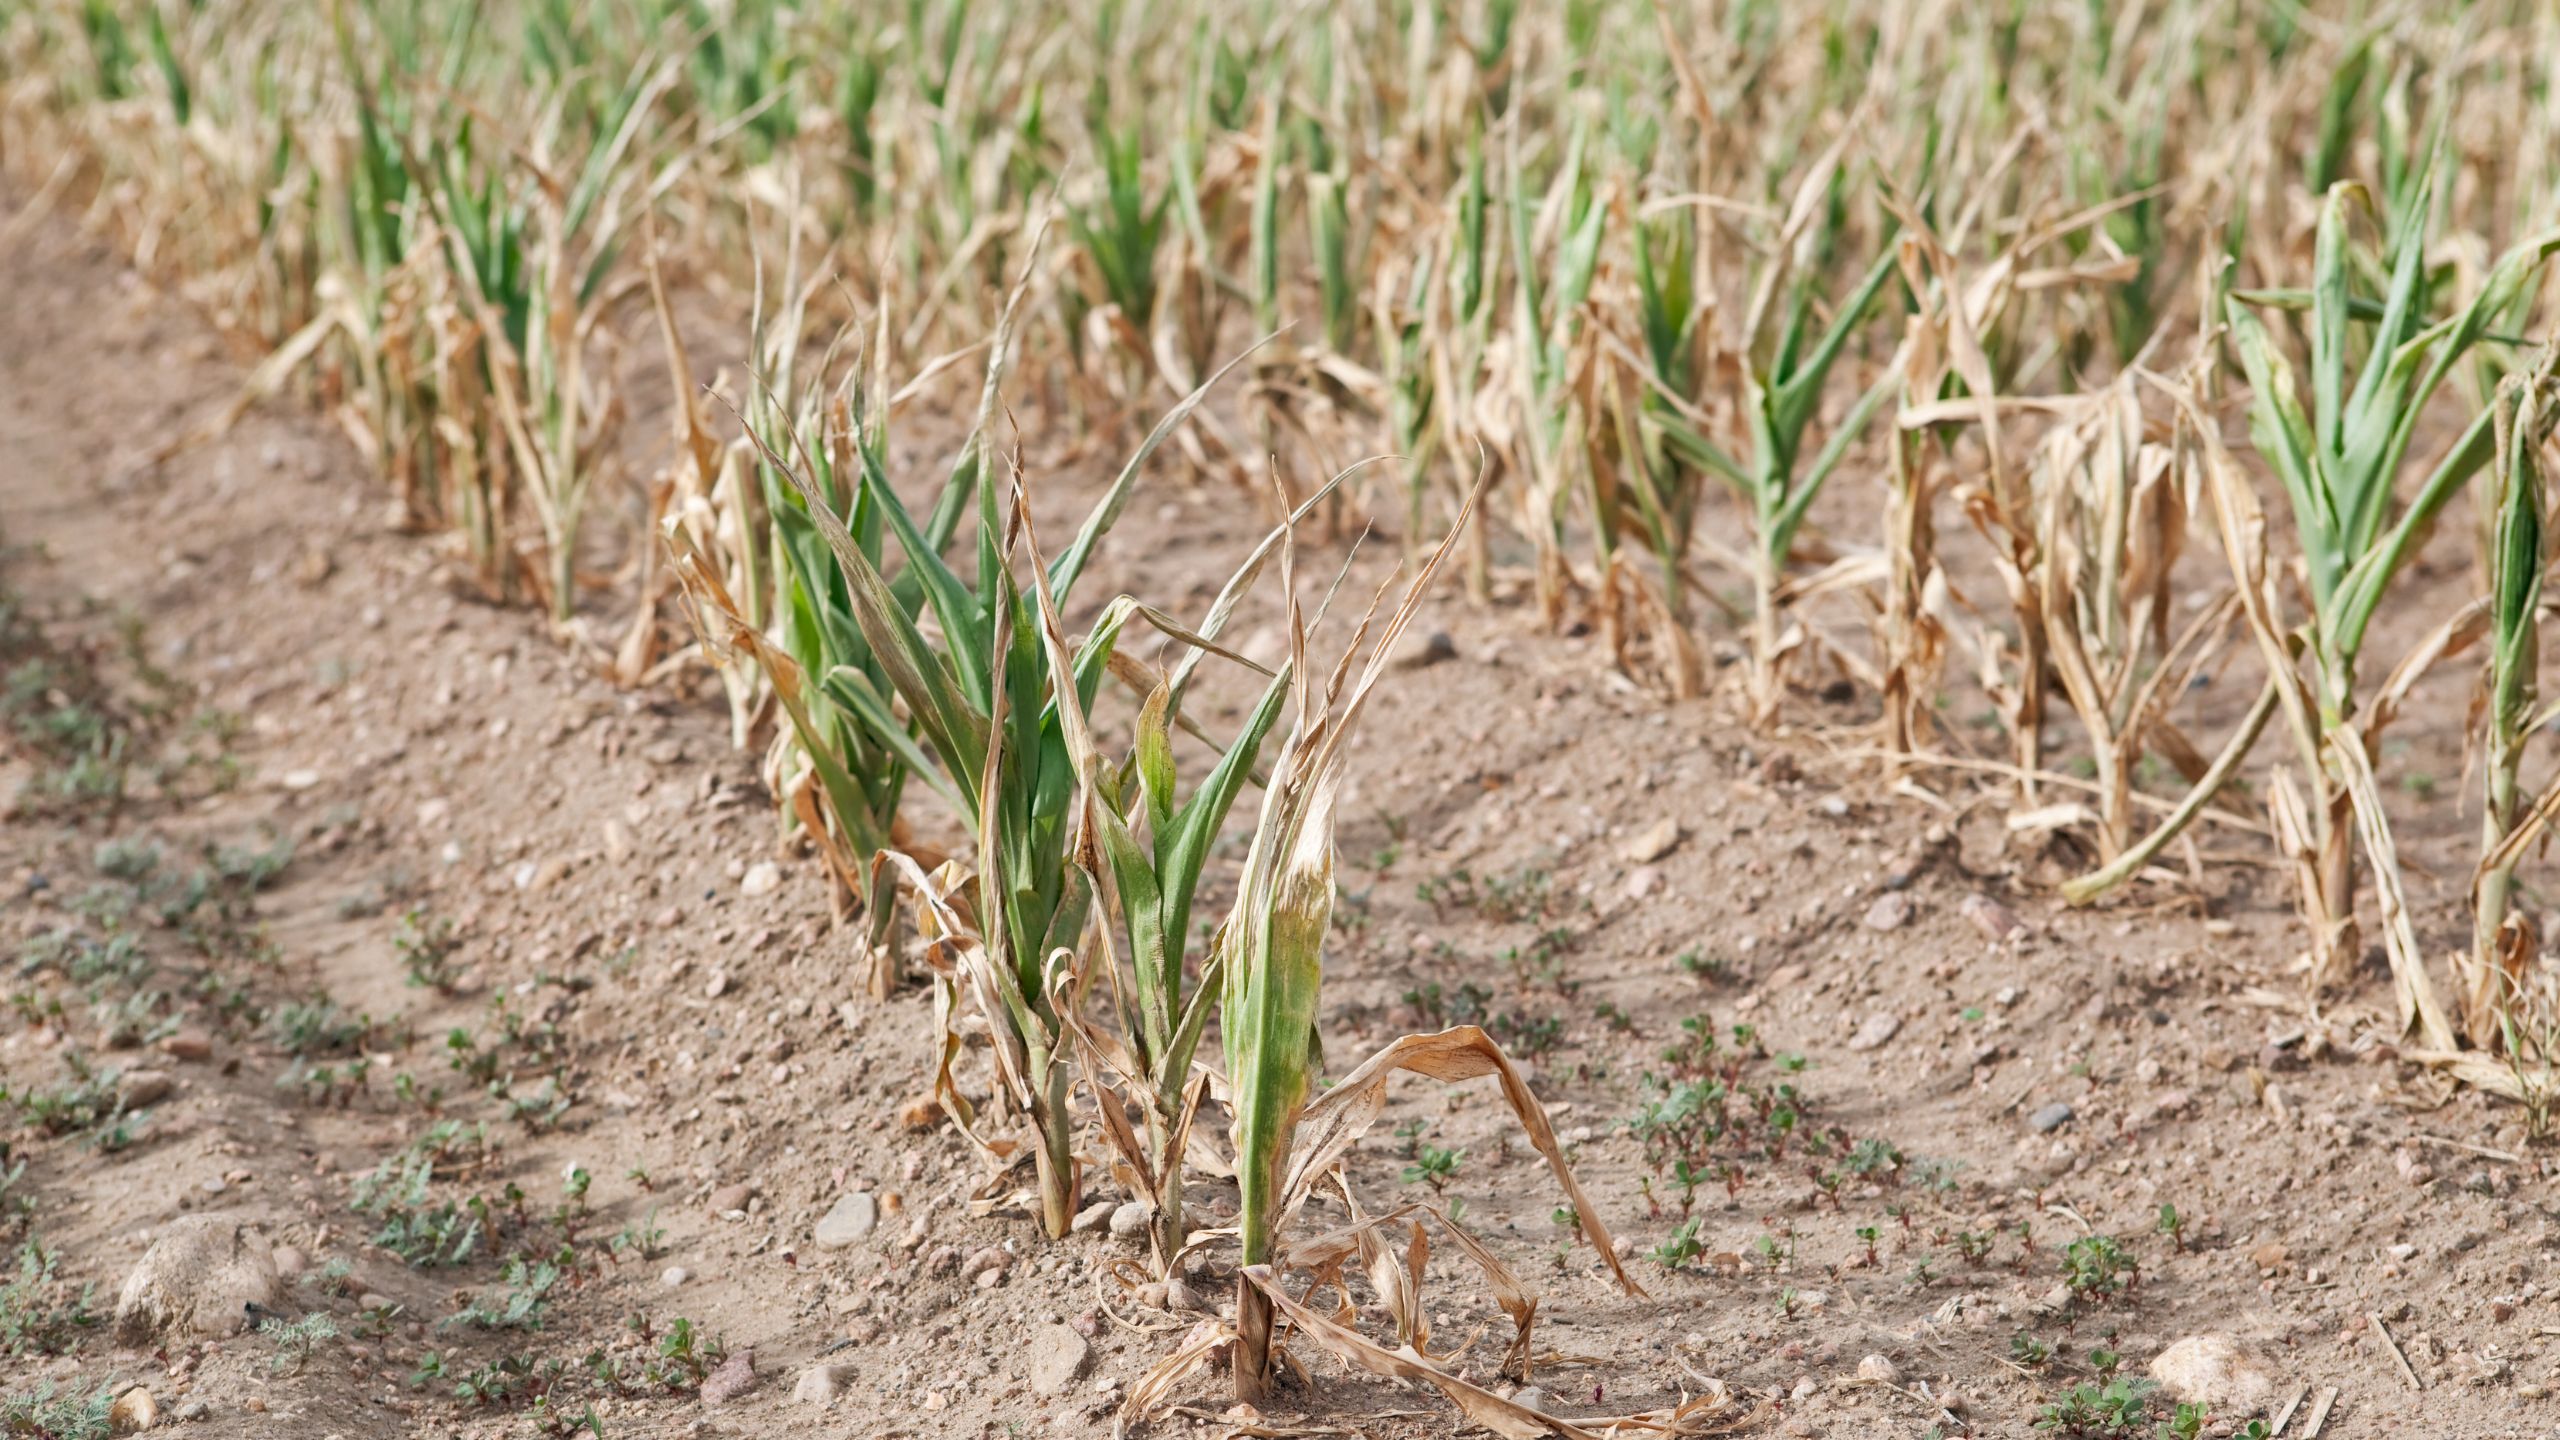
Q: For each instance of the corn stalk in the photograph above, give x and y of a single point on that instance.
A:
(2504, 943)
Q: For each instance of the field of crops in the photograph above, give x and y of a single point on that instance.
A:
(1622, 717)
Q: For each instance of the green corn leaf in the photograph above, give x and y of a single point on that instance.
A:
(1800, 391)
(1272, 953)
(2283, 435)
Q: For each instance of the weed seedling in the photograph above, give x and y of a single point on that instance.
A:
(54, 1414)
(426, 945)
(295, 1340)
(39, 1313)
(1435, 1167)
(2095, 1265)
(2119, 1407)
(519, 1306)
(2172, 1225)
(1682, 1247)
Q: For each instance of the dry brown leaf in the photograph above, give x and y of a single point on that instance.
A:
(1339, 1117)
(1712, 1413)
(2413, 991)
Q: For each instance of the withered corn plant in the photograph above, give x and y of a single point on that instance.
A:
(2504, 943)
(532, 254)
(1145, 847)
(1270, 948)
(1555, 242)
(1910, 623)
(1270, 952)
(2114, 522)
(1977, 318)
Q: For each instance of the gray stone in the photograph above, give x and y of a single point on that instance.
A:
(2216, 1371)
(1530, 1397)
(1130, 1220)
(1879, 1028)
(2051, 1118)
(821, 1383)
(853, 1217)
(1058, 1358)
(1891, 911)
(198, 1278)
(1652, 842)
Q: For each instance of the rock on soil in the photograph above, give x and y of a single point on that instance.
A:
(1878, 1028)
(734, 1377)
(820, 1384)
(1995, 920)
(188, 1045)
(1653, 842)
(1530, 1397)
(853, 1217)
(198, 1278)
(1130, 1220)
(1058, 1358)
(2215, 1371)
(134, 1410)
(2049, 1119)
(1427, 650)
(1891, 911)
(145, 1087)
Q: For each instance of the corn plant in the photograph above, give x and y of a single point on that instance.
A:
(1270, 952)
(1145, 853)
(991, 704)
(1547, 335)
(801, 629)
(1788, 355)
(2339, 457)
(2503, 943)
(1119, 233)
(531, 258)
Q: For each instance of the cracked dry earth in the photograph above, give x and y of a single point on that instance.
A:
(342, 774)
